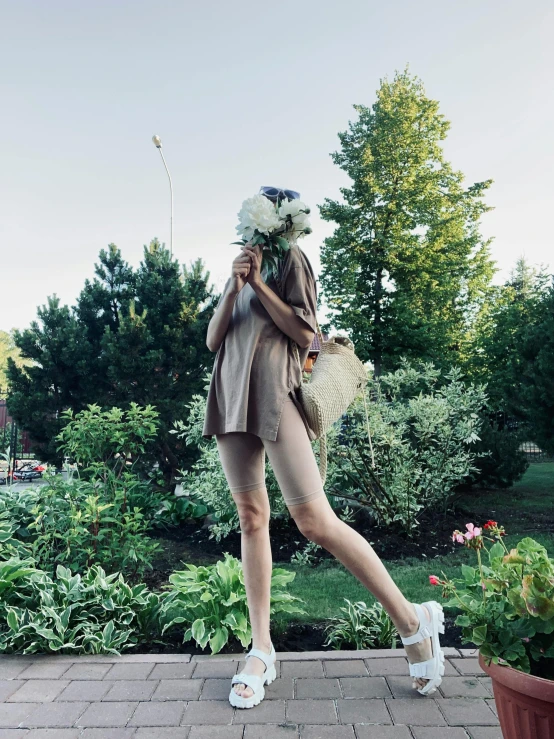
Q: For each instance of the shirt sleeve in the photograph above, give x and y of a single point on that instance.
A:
(300, 290)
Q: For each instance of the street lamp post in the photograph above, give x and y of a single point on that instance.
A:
(158, 143)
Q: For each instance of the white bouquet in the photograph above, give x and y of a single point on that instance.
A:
(272, 225)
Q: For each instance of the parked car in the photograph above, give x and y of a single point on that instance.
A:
(27, 471)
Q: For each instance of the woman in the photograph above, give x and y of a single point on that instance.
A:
(253, 407)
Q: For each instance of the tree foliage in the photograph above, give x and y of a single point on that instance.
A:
(406, 268)
(134, 336)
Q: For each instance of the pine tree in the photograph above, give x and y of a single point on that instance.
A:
(406, 268)
(133, 336)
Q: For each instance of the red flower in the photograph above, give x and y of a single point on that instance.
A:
(434, 580)
(490, 525)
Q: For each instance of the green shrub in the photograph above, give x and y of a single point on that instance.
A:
(500, 461)
(423, 428)
(79, 523)
(211, 604)
(363, 627)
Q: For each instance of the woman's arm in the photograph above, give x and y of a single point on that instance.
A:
(219, 323)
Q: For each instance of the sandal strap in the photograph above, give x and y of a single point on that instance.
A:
(267, 659)
(423, 669)
(253, 681)
(422, 633)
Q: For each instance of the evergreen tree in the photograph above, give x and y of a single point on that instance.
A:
(538, 374)
(496, 348)
(133, 336)
(406, 268)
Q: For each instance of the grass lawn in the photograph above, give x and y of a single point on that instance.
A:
(524, 510)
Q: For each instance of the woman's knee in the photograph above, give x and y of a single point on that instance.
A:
(253, 510)
(314, 521)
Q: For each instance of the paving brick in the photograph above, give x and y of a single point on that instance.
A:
(215, 669)
(54, 715)
(415, 712)
(11, 669)
(85, 690)
(311, 711)
(302, 669)
(13, 733)
(207, 712)
(224, 732)
(157, 713)
(44, 671)
(175, 690)
(317, 687)
(8, 687)
(164, 732)
(391, 666)
(463, 687)
(484, 732)
(283, 687)
(53, 734)
(466, 712)
(467, 666)
(112, 714)
(131, 690)
(492, 705)
(107, 734)
(266, 712)
(355, 711)
(272, 731)
(86, 671)
(363, 731)
(124, 671)
(13, 714)
(469, 652)
(364, 687)
(38, 691)
(345, 668)
(177, 671)
(327, 732)
(438, 732)
(401, 687)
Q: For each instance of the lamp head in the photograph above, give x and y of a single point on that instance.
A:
(157, 141)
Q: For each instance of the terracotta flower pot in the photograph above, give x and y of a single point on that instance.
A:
(525, 703)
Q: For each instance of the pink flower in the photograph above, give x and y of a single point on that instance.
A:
(434, 580)
(458, 536)
(472, 531)
(526, 639)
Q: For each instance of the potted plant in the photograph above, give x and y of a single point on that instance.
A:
(507, 611)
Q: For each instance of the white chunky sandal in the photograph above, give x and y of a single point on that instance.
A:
(432, 669)
(254, 681)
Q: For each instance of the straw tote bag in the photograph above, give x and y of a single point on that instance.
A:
(337, 378)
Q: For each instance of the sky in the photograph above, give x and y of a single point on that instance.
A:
(245, 94)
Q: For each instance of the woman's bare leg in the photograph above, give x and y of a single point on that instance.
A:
(318, 522)
(254, 511)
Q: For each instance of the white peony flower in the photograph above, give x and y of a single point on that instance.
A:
(293, 209)
(257, 213)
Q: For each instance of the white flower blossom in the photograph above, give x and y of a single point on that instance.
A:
(257, 214)
(296, 209)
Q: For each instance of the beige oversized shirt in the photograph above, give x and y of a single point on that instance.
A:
(254, 368)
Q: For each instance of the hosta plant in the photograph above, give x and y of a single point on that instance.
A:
(506, 601)
(211, 602)
(362, 627)
(72, 614)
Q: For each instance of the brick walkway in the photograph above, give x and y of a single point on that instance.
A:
(317, 695)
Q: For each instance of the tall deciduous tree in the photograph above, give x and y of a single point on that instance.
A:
(406, 268)
(134, 336)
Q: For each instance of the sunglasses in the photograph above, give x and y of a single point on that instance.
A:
(277, 192)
